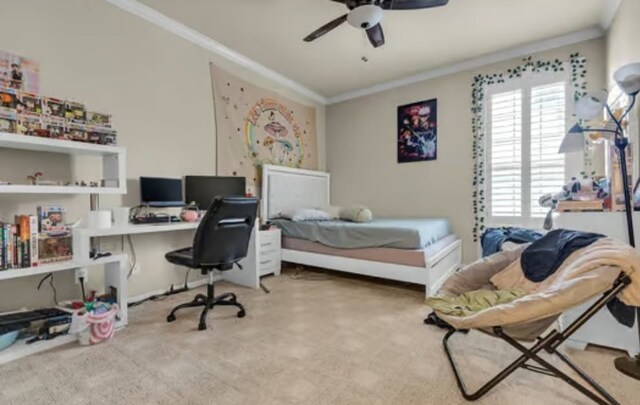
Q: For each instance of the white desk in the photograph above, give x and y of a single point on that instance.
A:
(248, 277)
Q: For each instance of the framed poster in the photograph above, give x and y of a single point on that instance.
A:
(418, 131)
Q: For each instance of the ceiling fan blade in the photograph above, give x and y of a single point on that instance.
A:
(412, 4)
(325, 28)
(376, 36)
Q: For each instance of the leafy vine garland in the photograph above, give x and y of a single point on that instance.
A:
(577, 66)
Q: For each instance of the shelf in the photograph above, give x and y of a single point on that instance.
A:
(34, 143)
(55, 267)
(21, 349)
(28, 189)
(139, 229)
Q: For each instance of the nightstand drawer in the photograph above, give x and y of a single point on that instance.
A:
(270, 240)
(270, 255)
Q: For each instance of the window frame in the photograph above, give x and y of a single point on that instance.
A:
(573, 162)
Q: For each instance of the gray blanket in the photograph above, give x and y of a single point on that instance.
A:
(391, 233)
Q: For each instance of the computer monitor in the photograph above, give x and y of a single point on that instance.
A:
(203, 189)
(161, 192)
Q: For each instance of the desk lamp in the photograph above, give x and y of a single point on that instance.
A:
(590, 107)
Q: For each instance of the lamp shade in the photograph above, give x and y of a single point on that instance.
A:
(592, 105)
(573, 141)
(628, 78)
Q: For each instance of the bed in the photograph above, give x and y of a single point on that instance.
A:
(421, 251)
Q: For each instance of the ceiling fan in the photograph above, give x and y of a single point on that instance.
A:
(367, 14)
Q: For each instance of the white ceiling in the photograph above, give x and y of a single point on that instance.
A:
(270, 32)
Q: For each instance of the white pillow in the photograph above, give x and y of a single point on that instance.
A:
(358, 213)
(333, 211)
(306, 214)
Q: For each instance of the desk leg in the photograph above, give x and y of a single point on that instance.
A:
(115, 275)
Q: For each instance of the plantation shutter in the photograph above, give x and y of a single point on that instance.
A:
(505, 153)
(548, 128)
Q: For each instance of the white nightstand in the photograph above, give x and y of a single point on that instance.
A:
(269, 252)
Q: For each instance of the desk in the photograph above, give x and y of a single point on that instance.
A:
(248, 277)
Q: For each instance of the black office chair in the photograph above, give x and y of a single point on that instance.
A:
(221, 241)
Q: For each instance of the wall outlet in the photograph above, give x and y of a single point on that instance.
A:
(82, 273)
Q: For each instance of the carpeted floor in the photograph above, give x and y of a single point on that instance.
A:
(337, 341)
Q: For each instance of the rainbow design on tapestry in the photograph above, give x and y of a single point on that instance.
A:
(272, 135)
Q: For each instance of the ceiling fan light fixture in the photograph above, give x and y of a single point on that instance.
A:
(365, 17)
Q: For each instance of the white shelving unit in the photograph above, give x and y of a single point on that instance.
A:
(115, 266)
(56, 267)
(113, 164)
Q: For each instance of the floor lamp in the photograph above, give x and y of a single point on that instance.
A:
(590, 107)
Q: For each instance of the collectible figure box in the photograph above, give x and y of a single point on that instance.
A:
(102, 136)
(99, 119)
(8, 120)
(76, 132)
(30, 125)
(52, 220)
(55, 128)
(55, 248)
(54, 107)
(75, 112)
(29, 103)
(8, 98)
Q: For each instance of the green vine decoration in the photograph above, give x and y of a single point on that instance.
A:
(578, 72)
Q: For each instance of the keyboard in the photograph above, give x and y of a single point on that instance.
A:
(30, 316)
(155, 220)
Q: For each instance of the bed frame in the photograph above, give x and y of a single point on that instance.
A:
(285, 188)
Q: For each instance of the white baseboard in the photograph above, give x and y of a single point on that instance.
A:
(192, 284)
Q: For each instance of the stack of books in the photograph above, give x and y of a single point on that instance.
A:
(35, 239)
(19, 243)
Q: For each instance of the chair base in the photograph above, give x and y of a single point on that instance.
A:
(209, 301)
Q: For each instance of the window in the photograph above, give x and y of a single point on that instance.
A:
(526, 126)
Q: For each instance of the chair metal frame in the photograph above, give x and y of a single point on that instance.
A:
(550, 344)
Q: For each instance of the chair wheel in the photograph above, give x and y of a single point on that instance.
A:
(171, 318)
(241, 314)
(202, 326)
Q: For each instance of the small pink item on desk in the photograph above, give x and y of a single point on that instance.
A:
(189, 215)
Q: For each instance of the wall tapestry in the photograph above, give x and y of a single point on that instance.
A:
(575, 66)
(257, 126)
(19, 73)
(418, 131)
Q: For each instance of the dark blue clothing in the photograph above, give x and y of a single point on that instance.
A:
(493, 238)
(544, 256)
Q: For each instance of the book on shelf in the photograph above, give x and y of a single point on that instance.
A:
(579, 205)
(18, 242)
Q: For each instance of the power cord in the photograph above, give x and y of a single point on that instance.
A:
(55, 292)
(165, 295)
(134, 257)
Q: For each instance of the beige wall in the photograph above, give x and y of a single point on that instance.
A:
(361, 148)
(622, 38)
(158, 88)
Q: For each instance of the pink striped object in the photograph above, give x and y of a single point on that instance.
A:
(102, 326)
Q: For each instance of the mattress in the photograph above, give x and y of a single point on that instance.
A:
(405, 257)
(389, 233)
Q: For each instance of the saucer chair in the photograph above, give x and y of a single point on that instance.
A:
(607, 268)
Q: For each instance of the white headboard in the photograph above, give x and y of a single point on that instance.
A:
(285, 188)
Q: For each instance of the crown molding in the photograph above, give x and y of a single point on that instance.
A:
(609, 12)
(470, 64)
(153, 16)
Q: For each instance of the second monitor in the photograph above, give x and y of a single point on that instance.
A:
(203, 189)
